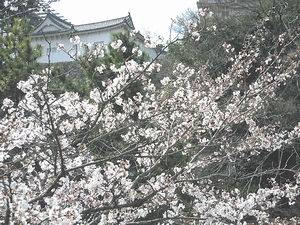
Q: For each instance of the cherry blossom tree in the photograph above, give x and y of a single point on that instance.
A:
(162, 156)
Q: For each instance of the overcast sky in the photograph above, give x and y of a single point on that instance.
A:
(148, 15)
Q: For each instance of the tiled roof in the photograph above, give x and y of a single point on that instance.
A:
(62, 25)
(58, 23)
(105, 24)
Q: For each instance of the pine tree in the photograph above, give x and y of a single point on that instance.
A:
(17, 57)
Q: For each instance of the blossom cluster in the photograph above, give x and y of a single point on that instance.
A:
(107, 159)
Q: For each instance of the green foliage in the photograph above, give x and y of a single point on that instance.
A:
(68, 76)
(270, 21)
(117, 57)
(276, 16)
(88, 77)
(209, 49)
(112, 57)
(17, 57)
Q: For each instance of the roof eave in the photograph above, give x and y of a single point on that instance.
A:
(51, 34)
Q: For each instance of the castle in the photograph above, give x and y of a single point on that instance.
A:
(54, 31)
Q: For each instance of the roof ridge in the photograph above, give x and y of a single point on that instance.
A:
(58, 18)
(103, 21)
